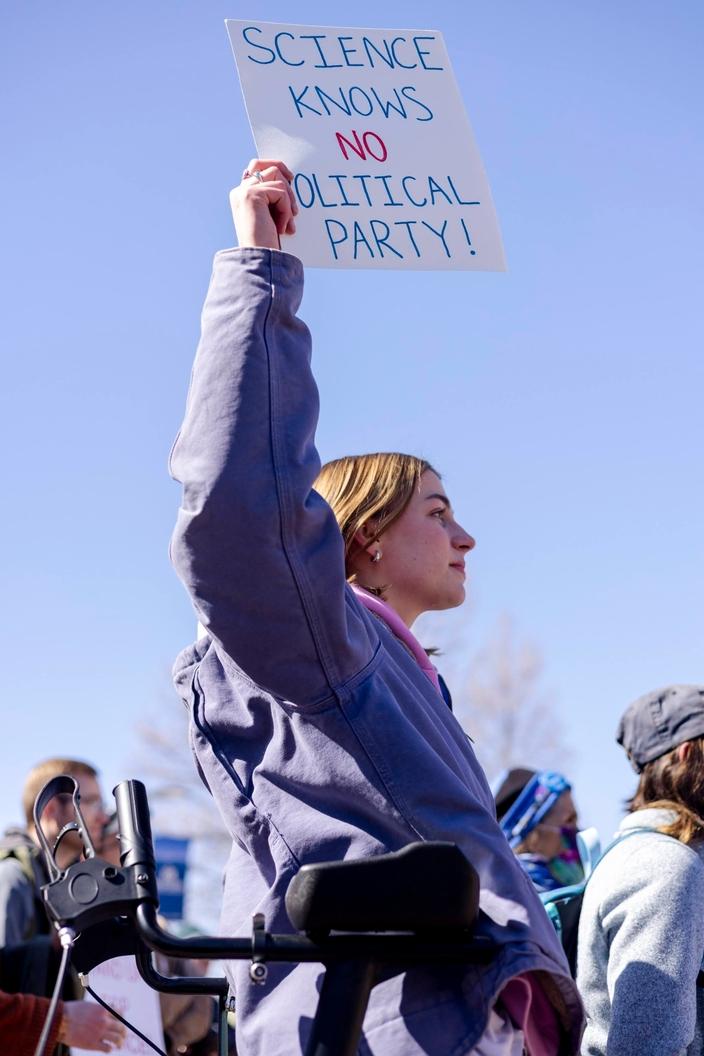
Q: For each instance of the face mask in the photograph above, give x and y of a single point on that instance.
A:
(567, 866)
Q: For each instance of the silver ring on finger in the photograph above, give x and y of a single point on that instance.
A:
(257, 176)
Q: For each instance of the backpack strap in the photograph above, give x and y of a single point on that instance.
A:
(589, 846)
(23, 856)
(564, 904)
(590, 842)
(29, 860)
(619, 839)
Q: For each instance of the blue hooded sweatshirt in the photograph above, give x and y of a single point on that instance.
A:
(315, 730)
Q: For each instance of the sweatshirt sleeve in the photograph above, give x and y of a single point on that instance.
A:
(655, 933)
(22, 1021)
(258, 549)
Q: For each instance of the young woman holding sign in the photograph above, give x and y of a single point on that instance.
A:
(317, 721)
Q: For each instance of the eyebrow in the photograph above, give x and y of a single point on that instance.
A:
(438, 495)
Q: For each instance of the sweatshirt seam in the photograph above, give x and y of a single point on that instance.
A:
(300, 579)
(395, 798)
(201, 722)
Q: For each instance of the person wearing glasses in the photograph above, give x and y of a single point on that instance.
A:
(29, 951)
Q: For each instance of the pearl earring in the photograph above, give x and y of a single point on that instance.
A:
(376, 557)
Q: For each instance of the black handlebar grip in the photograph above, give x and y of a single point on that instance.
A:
(136, 847)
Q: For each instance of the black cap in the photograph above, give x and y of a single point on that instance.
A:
(660, 721)
(509, 786)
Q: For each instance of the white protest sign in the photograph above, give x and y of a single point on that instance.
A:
(372, 123)
(120, 985)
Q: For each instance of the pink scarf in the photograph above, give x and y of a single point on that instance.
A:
(396, 625)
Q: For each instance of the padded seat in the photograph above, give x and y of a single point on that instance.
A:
(423, 887)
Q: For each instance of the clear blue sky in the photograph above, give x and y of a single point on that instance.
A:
(562, 401)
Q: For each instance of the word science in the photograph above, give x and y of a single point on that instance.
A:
(387, 172)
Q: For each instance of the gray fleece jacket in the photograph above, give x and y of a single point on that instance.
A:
(641, 945)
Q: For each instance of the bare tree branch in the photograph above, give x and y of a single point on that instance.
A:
(182, 806)
(499, 699)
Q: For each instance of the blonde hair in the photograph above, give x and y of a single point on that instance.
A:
(675, 784)
(43, 772)
(369, 488)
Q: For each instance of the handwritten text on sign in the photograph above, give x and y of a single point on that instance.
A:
(372, 124)
(119, 983)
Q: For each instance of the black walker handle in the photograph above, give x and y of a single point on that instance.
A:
(107, 905)
(136, 845)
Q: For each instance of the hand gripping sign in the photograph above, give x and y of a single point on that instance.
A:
(371, 121)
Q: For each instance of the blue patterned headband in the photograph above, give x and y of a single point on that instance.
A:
(537, 798)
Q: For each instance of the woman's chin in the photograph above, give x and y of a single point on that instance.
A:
(451, 600)
(460, 594)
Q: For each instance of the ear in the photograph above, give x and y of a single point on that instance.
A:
(365, 537)
(683, 751)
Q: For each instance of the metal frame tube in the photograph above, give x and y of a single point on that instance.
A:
(344, 996)
(403, 949)
(196, 984)
(182, 984)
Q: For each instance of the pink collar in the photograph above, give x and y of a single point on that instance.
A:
(396, 625)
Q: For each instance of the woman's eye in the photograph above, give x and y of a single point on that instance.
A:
(440, 514)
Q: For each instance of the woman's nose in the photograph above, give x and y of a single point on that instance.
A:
(464, 541)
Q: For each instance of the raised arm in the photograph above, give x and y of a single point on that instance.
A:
(258, 550)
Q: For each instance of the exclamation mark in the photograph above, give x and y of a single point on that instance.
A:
(469, 240)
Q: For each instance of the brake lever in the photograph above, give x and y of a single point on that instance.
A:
(61, 786)
(90, 891)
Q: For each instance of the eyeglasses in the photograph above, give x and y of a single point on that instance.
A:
(93, 803)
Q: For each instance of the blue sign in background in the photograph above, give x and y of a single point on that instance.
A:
(171, 866)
